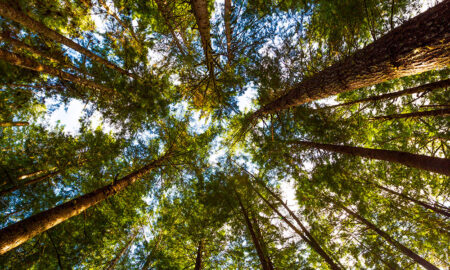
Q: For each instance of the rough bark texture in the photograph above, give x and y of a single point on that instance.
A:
(259, 250)
(419, 45)
(422, 88)
(418, 259)
(199, 258)
(13, 124)
(18, 233)
(15, 15)
(28, 63)
(200, 10)
(29, 182)
(228, 30)
(408, 198)
(439, 112)
(432, 164)
(116, 259)
(261, 241)
(162, 7)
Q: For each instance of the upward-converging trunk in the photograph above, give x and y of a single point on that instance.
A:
(165, 13)
(149, 259)
(419, 89)
(432, 164)
(438, 112)
(11, 13)
(199, 258)
(418, 45)
(116, 17)
(18, 233)
(29, 182)
(228, 30)
(113, 262)
(13, 124)
(406, 251)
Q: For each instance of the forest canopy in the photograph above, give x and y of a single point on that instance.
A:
(225, 134)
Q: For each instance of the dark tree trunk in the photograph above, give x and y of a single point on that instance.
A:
(438, 112)
(18, 16)
(13, 124)
(406, 251)
(228, 30)
(28, 63)
(419, 45)
(29, 182)
(259, 250)
(408, 198)
(20, 232)
(432, 164)
(419, 89)
(116, 259)
(149, 259)
(261, 241)
(199, 258)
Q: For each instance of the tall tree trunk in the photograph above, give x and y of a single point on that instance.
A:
(18, 16)
(261, 240)
(438, 112)
(165, 14)
(418, 45)
(13, 124)
(149, 259)
(28, 63)
(199, 258)
(116, 259)
(422, 88)
(432, 164)
(408, 198)
(315, 247)
(18, 233)
(228, 30)
(33, 174)
(29, 182)
(201, 14)
(406, 251)
(262, 258)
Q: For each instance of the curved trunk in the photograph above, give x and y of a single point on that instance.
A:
(15, 15)
(439, 112)
(29, 182)
(432, 164)
(406, 251)
(13, 124)
(418, 45)
(18, 233)
(422, 88)
(28, 63)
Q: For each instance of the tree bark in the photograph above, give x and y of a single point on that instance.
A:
(438, 112)
(419, 45)
(432, 164)
(13, 124)
(18, 233)
(408, 198)
(262, 258)
(33, 174)
(28, 63)
(261, 240)
(11, 13)
(422, 88)
(199, 258)
(406, 251)
(200, 10)
(29, 182)
(116, 259)
(228, 30)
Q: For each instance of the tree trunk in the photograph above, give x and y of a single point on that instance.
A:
(261, 241)
(432, 164)
(9, 12)
(200, 10)
(164, 13)
(28, 63)
(29, 182)
(262, 258)
(419, 45)
(18, 233)
(33, 174)
(13, 124)
(228, 30)
(148, 260)
(422, 88)
(439, 112)
(199, 258)
(408, 198)
(406, 251)
(114, 261)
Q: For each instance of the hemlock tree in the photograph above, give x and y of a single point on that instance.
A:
(195, 134)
